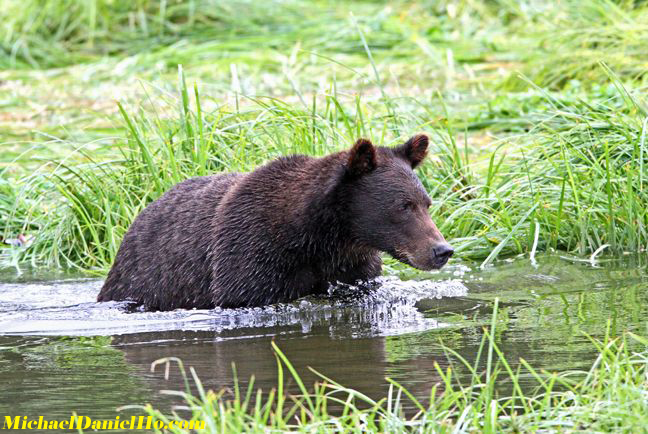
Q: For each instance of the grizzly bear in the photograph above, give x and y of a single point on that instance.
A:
(288, 229)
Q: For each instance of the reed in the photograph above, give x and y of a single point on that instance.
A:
(609, 397)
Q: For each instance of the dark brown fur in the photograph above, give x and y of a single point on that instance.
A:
(283, 231)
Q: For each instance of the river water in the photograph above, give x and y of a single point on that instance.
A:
(61, 352)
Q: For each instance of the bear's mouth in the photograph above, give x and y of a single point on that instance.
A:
(402, 256)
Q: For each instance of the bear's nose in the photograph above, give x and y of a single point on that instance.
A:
(443, 251)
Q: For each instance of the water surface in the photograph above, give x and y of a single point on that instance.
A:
(60, 351)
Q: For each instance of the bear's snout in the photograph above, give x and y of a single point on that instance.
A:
(440, 254)
(431, 256)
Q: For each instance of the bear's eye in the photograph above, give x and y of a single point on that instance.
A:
(408, 205)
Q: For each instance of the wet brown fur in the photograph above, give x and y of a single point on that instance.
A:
(286, 230)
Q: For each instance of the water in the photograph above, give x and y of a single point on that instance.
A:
(62, 352)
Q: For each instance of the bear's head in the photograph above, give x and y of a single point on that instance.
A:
(388, 205)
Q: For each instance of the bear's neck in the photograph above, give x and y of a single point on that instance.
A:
(307, 198)
(326, 223)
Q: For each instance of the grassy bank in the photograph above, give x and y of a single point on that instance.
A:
(575, 178)
(609, 397)
(536, 112)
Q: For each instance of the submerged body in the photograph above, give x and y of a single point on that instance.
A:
(286, 230)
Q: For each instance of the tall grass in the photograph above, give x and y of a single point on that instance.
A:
(569, 166)
(50, 33)
(448, 41)
(609, 397)
(586, 165)
(553, 43)
(577, 177)
(571, 43)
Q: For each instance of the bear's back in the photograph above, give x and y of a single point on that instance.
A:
(167, 247)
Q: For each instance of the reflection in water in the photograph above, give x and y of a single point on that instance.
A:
(359, 362)
(355, 337)
(55, 376)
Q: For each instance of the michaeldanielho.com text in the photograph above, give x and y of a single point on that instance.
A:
(85, 422)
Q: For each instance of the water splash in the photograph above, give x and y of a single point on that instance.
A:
(69, 308)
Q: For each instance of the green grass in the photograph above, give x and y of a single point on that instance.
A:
(566, 175)
(609, 397)
(536, 130)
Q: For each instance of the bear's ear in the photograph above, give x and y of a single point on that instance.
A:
(362, 158)
(414, 150)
